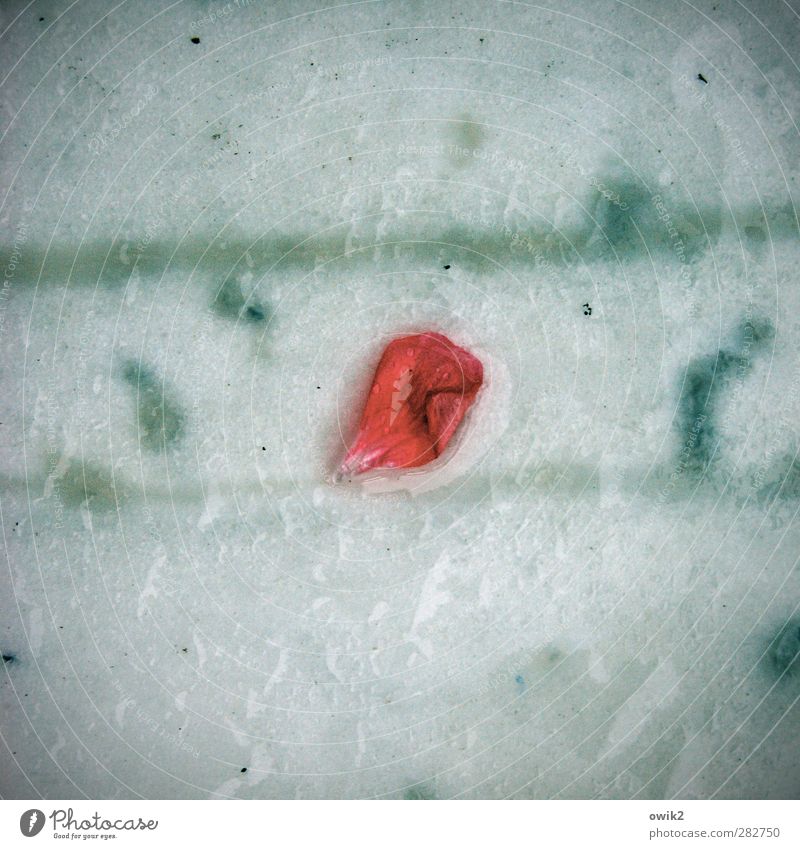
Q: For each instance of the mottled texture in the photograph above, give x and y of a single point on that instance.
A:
(205, 248)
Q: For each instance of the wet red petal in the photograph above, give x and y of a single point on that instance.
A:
(423, 386)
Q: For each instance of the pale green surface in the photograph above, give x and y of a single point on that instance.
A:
(591, 597)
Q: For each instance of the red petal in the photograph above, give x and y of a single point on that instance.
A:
(423, 386)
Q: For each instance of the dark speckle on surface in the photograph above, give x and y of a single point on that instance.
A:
(787, 650)
(195, 39)
(9, 658)
(418, 792)
(243, 769)
(702, 79)
(753, 333)
(755, 233)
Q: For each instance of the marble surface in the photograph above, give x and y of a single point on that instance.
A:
(214, 217)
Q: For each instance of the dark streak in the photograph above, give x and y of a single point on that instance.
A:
(83, 482)
(161, 423)
(98, 263)
(629, 223)
(419, 792)
(704, 379)
(230, 302)
(786, 655)
(702, 382)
